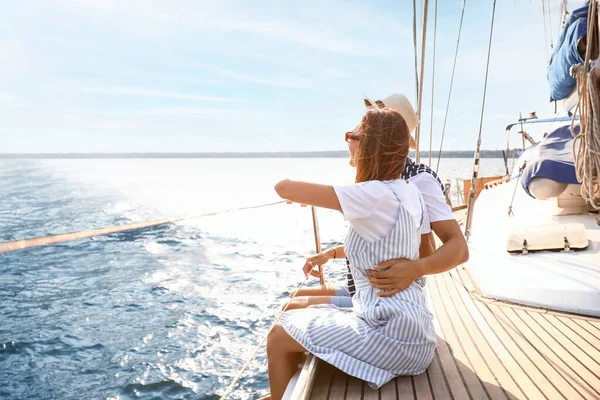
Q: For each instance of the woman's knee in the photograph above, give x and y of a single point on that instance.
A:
(276, 337)
(280, 342)
(295, 303)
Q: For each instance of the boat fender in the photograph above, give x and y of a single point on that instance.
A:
(544, 188)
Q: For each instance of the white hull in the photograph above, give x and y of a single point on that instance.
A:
(565, 281)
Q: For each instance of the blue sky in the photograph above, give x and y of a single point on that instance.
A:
(141, 76)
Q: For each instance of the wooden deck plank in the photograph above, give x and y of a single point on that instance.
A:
(569, 343)
(583, 339)
(354, 391)
(339, 383)
(474, 344)
(502, 383)
(448, 364)
(515, 382)
(551, 365)
(588, 327)
(404, 388)
(466, 280)
(388, 391)
(557, 386)
(370, 394)
(323, 380)
(595, 322)
(580, 377)
(438, 382)
(443, 312)
(422, 389)
(531, 375)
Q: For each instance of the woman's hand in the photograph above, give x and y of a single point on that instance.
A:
(291, 202)
(314, 261)
(393, 276)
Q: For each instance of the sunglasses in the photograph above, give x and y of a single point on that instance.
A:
(350, 136)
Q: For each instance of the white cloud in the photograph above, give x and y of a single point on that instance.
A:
(147, 92)
(285, 82)
(18, 62)
(338, 27)
(221, 58)
(336, 73)
(312, 37)
(6, 97)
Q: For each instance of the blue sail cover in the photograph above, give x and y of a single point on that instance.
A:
(566, 55)
(551, 158)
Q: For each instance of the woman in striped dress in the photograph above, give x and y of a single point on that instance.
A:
(383, 337)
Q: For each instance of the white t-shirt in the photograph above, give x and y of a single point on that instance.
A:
(372, 209)
(435, 201)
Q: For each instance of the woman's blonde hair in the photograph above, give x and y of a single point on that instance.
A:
(383, 145)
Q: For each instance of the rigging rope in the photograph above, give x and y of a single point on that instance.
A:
(462, 16)
(549, 8)
(512, 200)
(562, 16)
(478, 148)
(545, 29)
(586, 145)
(423, 44)
(67, 237)
(433, 82)
(415, 49)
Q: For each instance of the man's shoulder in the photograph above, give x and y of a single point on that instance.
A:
(434, 197)
(421, 174)
(426, 181)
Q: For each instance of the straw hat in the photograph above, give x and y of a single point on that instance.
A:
(400, 103)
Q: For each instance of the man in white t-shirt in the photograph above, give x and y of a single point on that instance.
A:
(395, 275)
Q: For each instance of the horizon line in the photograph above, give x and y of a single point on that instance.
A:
(262, 154)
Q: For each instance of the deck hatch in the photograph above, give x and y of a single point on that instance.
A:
(555, 237)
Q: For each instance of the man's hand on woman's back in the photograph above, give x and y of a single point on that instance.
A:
(393, 276)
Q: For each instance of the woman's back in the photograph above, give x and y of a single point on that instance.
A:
(372, 208)
(402, 240)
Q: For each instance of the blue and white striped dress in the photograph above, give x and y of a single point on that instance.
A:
(384, 337)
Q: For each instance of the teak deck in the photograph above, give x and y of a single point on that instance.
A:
(488, 350)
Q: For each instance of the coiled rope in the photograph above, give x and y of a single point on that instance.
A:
(67, 237)
(586, 145)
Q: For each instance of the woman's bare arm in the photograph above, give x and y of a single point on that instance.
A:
(313, 194)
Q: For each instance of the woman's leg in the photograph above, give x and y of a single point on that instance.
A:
(322, 290)
(307, 296)
(324, 294)
(305, 301)
(283, 354)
